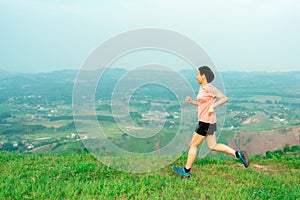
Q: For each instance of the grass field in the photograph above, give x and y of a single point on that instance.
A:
(80, 176)
(50, 124)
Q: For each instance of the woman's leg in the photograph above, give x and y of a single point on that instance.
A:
(212, 145)
(196, 140)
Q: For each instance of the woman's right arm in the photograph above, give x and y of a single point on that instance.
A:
(191, 101)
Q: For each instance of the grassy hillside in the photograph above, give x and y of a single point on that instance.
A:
(80, 176)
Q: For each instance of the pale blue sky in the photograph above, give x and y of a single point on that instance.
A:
(242, 35)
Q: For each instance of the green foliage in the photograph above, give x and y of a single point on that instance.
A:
(295, 149)
(70, 126)
(61, 117)
(135, 115)
(278, 154)
(286, 148)
(8, 147)
(268, 102)
(20, 129)
(5, 115)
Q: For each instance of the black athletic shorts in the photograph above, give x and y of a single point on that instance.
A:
(205, 129)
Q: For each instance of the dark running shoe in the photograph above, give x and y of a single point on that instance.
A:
(243, 157)
(181, 172)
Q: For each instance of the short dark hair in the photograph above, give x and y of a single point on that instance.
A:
(207, 72)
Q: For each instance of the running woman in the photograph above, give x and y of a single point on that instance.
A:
(206, 103)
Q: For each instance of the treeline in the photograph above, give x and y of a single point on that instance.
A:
(82, 117)
(21, 129)
(281, 152)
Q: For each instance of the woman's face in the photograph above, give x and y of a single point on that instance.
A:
(199, 77)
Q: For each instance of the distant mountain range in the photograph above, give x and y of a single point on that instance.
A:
(60, 83)
(4, 74)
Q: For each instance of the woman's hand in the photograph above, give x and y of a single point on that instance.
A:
(211, 110)
(188, 100)
(191, 101)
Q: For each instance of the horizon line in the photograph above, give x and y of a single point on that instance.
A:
(221, 71)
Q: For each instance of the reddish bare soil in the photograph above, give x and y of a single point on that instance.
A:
(261, 142)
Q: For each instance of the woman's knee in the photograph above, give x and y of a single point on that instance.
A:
(212, 147)
(194, 144)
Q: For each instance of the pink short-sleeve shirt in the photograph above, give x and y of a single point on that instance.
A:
(206, 97)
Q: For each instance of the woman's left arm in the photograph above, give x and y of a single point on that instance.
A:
(222, 99)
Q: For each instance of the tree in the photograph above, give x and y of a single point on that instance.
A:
(268, 102)
(286, 148)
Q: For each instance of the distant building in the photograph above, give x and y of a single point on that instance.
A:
(29, 146)
(83, 136)
(15, 144)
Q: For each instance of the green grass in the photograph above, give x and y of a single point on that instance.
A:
(226, 135)
(81, 176)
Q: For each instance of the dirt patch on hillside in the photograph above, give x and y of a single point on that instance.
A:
(261, 142)
(261, 167)
(251, 119)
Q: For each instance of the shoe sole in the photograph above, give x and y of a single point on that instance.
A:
(244, 154)
(181, 175)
